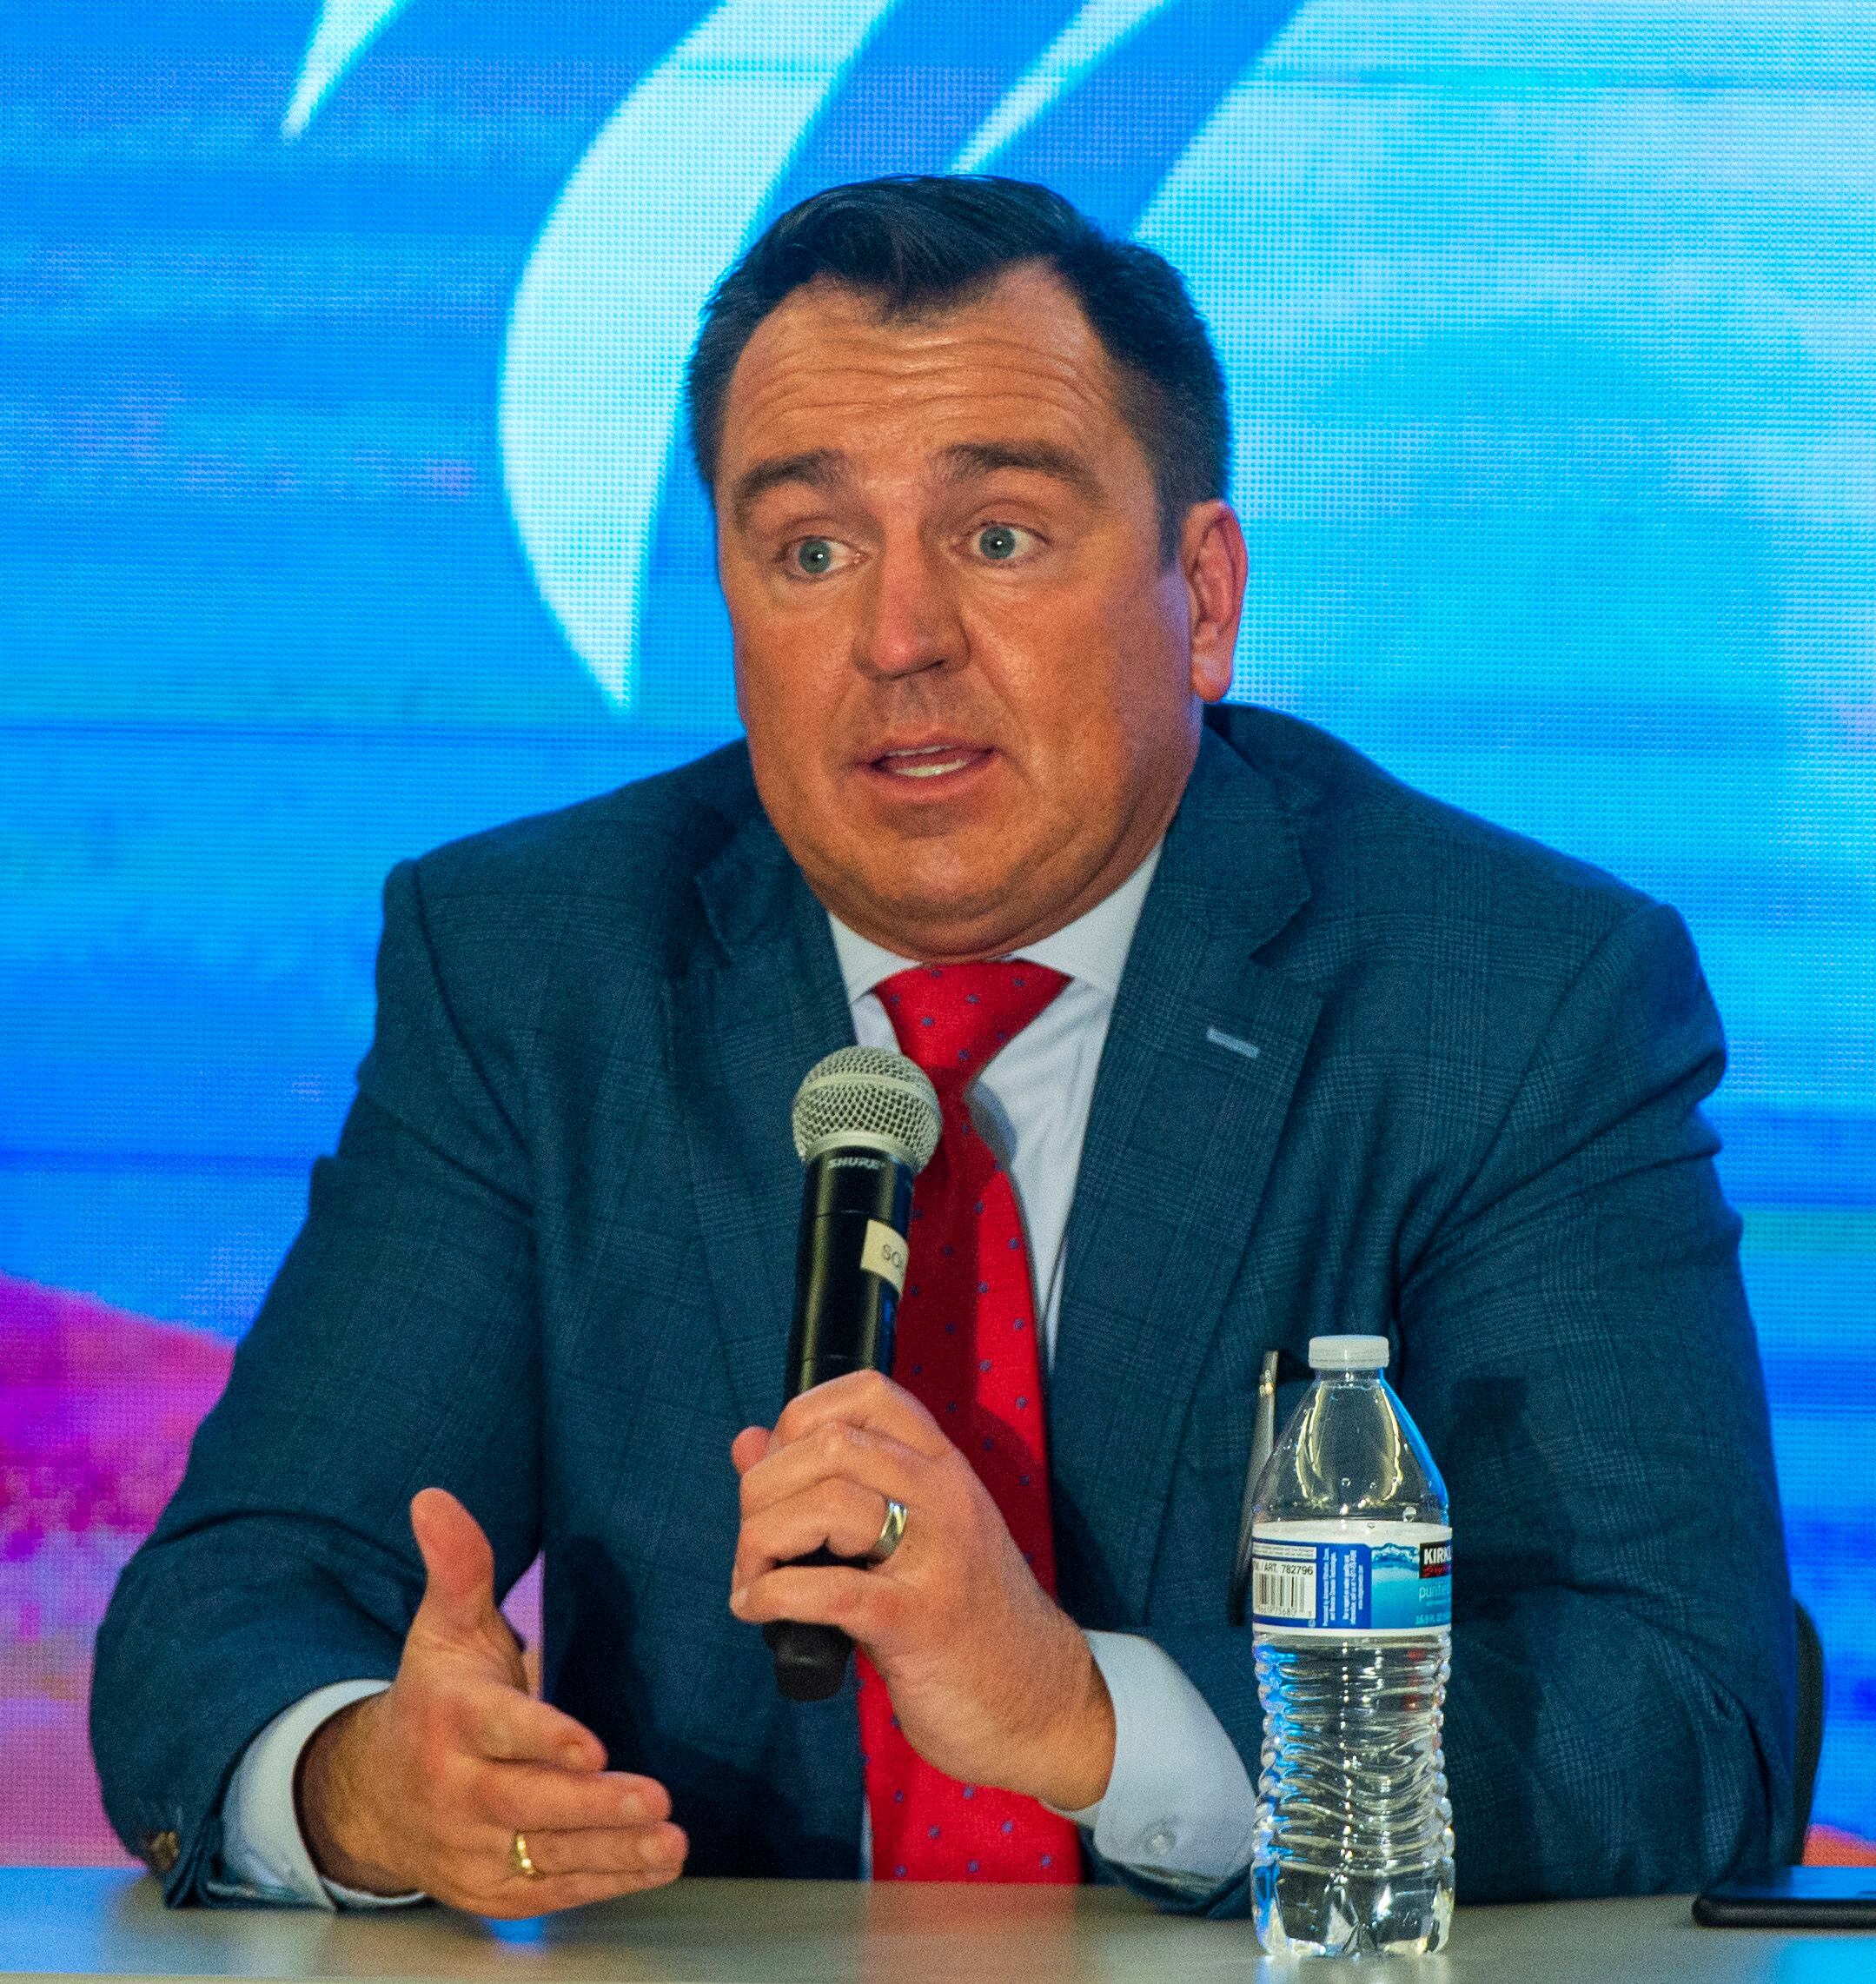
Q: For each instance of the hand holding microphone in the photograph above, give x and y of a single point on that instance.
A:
(865, 1124)
(991, 1682)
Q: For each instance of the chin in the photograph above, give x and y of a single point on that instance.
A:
(950, 912)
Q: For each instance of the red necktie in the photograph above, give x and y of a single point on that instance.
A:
(968, 1351)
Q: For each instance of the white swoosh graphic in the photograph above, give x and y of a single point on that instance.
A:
(1087, 41)
(344, 28)
(608, 305)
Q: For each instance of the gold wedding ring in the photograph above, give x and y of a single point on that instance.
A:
(519, 1860)
(891, 1533)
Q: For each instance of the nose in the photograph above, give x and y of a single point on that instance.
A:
(909, 620)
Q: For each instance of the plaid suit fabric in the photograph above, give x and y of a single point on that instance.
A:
(1373, 1064)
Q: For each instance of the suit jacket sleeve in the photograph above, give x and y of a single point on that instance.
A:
(396, 1349)
(1574, 1343)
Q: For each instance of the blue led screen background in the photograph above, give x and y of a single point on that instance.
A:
(343, 509)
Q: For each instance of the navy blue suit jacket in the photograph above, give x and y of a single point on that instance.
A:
(550, 1269)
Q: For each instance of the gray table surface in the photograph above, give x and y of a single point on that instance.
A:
(67, 1922)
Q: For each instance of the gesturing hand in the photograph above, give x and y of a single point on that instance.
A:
(427, 1784)
(992, 1682)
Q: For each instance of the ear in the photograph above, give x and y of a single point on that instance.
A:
(1214, 563)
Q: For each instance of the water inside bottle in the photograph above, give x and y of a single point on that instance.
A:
(1350, 1599)
(1353, 1852)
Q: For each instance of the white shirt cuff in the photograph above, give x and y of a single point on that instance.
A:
(1179, 1805)
(262, 1848)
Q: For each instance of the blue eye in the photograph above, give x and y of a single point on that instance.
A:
(998, 541)
(814, 555)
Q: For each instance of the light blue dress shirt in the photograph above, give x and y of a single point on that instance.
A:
(1179, 1805)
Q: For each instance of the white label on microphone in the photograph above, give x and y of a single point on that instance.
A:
(884, 1254)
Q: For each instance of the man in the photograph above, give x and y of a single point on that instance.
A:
(1237, 1041)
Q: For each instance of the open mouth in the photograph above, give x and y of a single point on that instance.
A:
(929, 760)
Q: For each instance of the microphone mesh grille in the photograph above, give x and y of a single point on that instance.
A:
(870, 1092)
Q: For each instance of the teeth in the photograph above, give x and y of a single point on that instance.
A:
(931, 762)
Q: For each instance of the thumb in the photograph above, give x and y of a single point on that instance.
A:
(459, 1593)
(749, 1446)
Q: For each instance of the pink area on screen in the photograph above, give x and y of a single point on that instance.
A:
(1830, 1846)
(98, 1408)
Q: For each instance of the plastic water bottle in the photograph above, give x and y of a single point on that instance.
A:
(1351, 1612)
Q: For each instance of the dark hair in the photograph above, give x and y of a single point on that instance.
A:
(930, 243)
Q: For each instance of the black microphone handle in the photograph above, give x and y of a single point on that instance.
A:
(810, 1662)
(850, 1265)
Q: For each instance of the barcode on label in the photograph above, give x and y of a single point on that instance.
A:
(1284, 1590)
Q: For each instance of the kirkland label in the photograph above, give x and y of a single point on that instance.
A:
(1351, 1577)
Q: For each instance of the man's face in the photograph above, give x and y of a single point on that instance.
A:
(969, 680)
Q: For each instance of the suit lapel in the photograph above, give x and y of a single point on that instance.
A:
(758, 1007)
(1202, 1052)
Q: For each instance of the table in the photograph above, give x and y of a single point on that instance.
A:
(65, 1923)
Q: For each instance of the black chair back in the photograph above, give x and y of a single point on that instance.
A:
(1813, 1696)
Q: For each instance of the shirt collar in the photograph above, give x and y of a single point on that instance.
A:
(1092, 948)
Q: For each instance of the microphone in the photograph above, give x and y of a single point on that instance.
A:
(865, 1122)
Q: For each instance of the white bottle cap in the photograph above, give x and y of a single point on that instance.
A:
(1347, 1353)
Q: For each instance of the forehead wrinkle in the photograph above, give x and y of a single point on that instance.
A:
(1013, 320)
(791, 357)
(896, 363)
(964, 423)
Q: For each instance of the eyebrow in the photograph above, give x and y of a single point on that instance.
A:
(826, 468)
(818, 467)
(964, 459)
